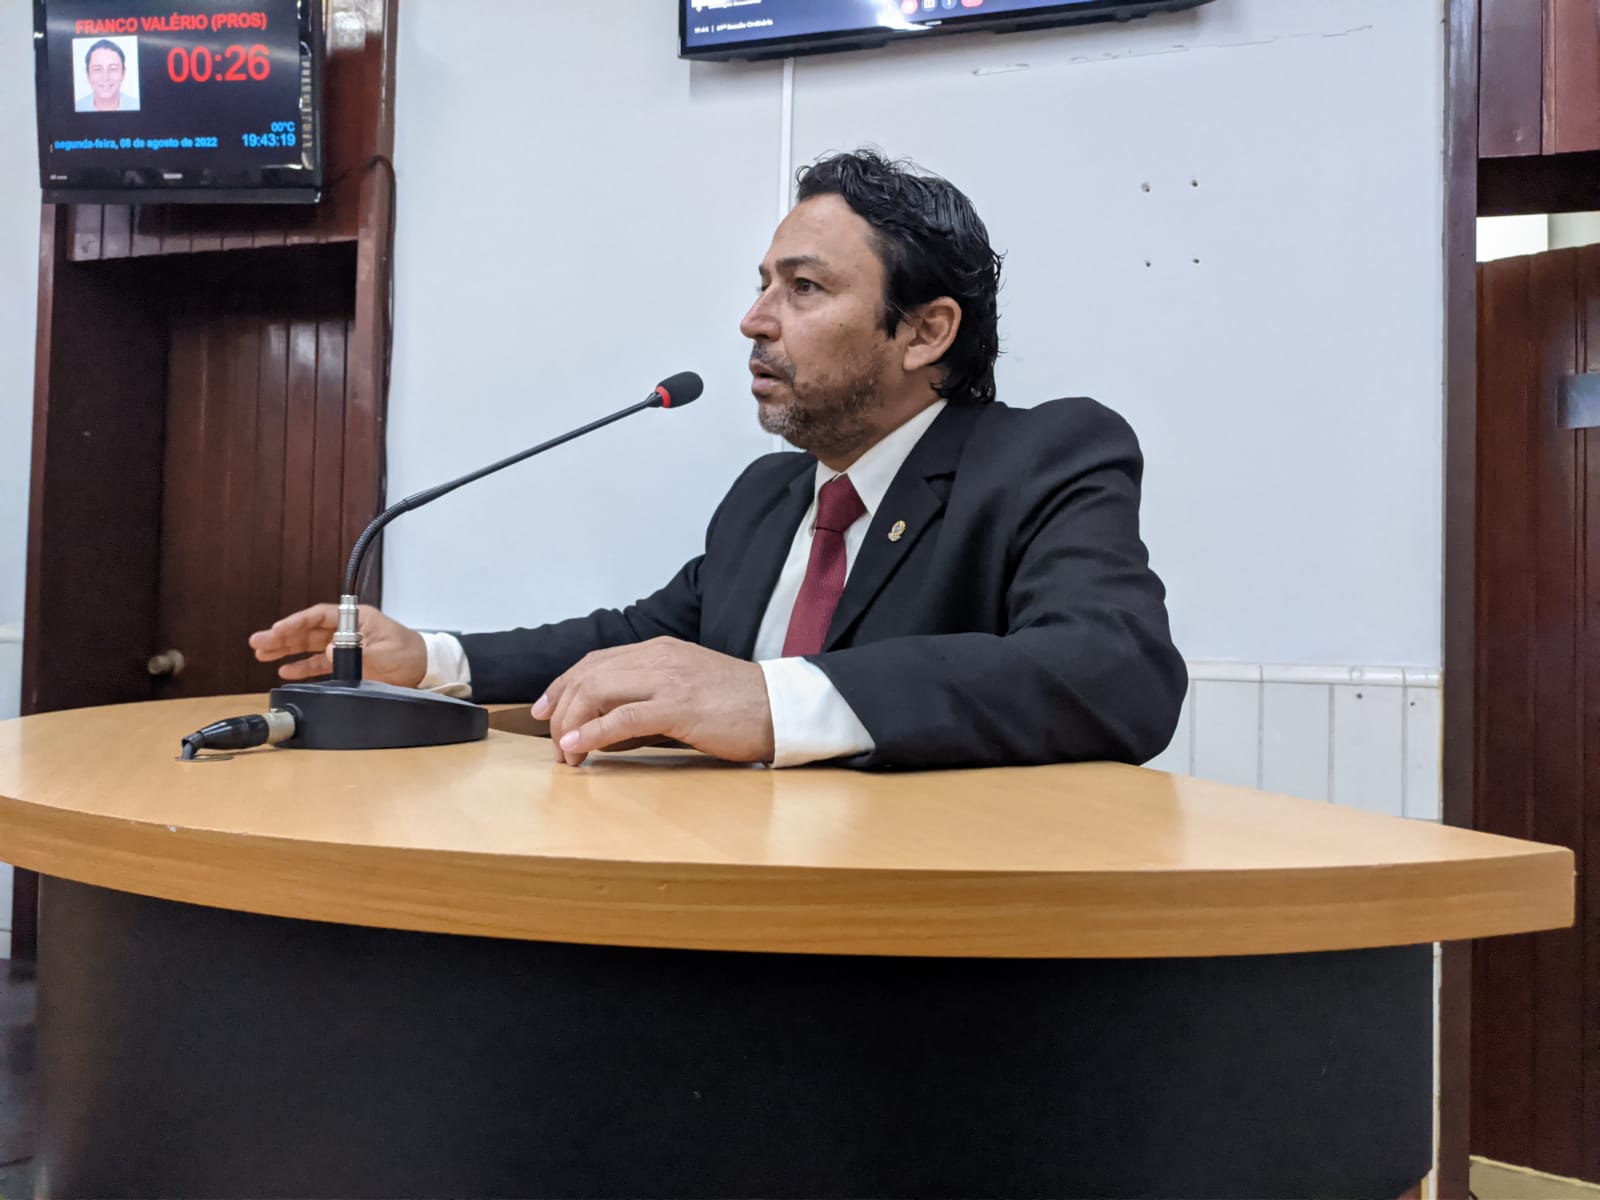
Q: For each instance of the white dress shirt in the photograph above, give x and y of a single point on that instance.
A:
(811, 721)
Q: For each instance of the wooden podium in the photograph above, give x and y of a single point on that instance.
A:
(466, 971)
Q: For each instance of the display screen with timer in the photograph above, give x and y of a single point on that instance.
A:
(200, 100)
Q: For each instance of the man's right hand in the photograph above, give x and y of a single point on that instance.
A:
(391, 653)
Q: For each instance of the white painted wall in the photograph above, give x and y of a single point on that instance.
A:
(1287, 387)
(567, 237)
(19, 282)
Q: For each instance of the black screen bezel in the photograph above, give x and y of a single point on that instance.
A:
(871, 37)
(204, 185)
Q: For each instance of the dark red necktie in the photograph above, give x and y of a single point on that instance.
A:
(838, 508)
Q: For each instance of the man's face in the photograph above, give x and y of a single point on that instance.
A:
(105, 73)
(820, 355)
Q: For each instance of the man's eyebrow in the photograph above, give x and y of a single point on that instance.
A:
(792, 261)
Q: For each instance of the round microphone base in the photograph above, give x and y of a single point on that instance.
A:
(365, 715)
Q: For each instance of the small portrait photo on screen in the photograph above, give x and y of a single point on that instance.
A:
(105, 74)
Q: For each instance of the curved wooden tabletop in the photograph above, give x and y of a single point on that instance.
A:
(660, 848)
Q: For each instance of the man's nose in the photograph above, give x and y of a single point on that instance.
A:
(759, 323)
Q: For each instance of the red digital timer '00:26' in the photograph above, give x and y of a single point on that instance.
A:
(234, 64)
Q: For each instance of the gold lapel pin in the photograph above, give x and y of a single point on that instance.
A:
(897, 531)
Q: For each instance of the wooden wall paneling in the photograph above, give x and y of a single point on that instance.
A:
(204, 639)
(1571, 76)
(1502, 1031)
(258, 482)
(300, 400)
(269, 517)
(1556, 801)
(1511, 77)
(185, 553)
(241, 472)
(1589, 701)
(329, 548)
(116, 237)
(101, 493)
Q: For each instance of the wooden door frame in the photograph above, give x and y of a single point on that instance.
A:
(1460, 561)
(358, 207)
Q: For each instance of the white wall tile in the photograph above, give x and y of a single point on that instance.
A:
(1227, 731)
(10, 672)
(1178, 757)
(1422, 756)
(1294, 739)
(5, 944)
(1368, 751)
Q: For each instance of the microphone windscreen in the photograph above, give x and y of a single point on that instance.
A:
(680, 389)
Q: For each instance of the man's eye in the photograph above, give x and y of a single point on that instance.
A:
(804, 286)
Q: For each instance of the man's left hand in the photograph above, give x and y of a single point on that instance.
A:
(663, 688)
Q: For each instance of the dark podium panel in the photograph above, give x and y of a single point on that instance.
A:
(188, 1052)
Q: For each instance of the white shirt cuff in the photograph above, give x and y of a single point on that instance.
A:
(448, 669)
(811, 721)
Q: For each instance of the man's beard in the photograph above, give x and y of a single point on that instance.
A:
(829, 418)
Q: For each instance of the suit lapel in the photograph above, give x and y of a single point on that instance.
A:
(764, 553)
(910, 499)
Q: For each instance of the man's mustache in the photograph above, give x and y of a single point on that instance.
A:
(761, 357)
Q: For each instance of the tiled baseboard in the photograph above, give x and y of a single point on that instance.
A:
(1498, 1181)
(1367, 737)
(10, 699)
(10, 671)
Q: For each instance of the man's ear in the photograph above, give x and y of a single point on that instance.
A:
(933, 328)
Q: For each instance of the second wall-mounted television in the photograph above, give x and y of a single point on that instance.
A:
(753, 29)
(141, 101)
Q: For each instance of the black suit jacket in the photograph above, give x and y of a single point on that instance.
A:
(1016, 621)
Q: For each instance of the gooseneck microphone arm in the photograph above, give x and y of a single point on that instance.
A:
(353, 571)
(350, 713)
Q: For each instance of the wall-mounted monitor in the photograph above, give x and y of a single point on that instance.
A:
(733, 29)
(193, 101)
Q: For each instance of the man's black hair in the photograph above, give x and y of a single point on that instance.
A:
(931, 243)
(105, 44)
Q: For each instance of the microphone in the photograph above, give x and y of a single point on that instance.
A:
(347, 712)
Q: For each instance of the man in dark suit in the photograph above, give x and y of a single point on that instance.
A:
(935, 580)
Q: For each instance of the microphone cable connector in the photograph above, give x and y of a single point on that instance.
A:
(242, 733)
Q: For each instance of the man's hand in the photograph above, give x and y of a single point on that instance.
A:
(662, 688)
(390, 652)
